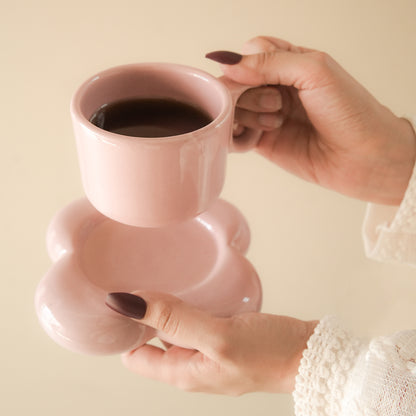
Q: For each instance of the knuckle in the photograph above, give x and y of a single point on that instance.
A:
(258, 38)
(262, 60)
(224, 347)
(185, 384)
(166, 320)
(321, 68)
(261, 43)
(322, 61)
(253, 45)
(184, 380)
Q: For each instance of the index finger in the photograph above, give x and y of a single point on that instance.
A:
(261, 44)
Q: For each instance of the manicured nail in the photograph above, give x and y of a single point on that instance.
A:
(225, 57)
(127, 304)
(271, 101)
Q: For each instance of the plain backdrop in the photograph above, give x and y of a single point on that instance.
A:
(306, 241)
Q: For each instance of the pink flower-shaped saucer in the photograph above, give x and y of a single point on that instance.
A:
(201, 261)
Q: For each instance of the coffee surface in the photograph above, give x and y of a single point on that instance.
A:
(150, 117)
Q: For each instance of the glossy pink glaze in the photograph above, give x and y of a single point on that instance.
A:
(200, 260)
(153, 182)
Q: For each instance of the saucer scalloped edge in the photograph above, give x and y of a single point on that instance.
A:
(202, 261)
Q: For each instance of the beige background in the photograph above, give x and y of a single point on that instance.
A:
(306, 242)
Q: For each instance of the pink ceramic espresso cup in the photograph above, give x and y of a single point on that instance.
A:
(153, 182)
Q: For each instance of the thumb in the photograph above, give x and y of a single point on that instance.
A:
(303, 70)
(176, 322)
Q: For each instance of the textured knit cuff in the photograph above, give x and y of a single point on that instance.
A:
(323, 373)
(389, 233)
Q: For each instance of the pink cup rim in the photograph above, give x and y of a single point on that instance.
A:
(223, 91)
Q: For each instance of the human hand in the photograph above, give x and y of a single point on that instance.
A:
(319, 122)
(245, 353)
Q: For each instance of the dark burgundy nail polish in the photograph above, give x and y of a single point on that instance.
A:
(127, 304)
(225, 57)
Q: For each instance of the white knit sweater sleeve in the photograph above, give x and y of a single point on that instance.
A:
(340, 375)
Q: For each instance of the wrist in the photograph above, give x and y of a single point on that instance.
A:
(398, 168)
(409, 140)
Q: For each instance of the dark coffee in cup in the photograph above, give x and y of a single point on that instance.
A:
(150, 117)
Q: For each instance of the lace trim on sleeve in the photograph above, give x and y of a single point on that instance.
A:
(340, 375)
(323, 373)
(385, 378)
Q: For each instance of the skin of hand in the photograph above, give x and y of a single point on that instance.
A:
(320, 124)
(232, 356)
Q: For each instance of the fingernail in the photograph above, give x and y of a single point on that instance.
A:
(238, 129)
(272, 102)
(225, 57)
(127, 304)
(270, 121)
